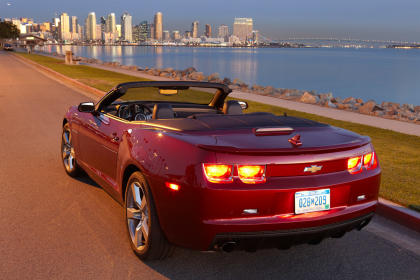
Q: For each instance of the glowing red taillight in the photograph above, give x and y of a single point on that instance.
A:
(218, 173)
(368, 161)
(251, 174)
(354, 164)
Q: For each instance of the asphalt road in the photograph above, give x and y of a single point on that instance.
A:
(56, 227)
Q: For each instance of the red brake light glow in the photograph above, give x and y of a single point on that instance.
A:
(368, 161)
(354, 165)
(251, 174)
(218, 173)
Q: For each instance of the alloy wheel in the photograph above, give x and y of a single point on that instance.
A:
(138, 215)
(68, 151)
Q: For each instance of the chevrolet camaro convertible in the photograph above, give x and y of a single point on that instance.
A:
(192, 168)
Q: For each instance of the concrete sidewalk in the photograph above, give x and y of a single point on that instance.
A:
(398, 126)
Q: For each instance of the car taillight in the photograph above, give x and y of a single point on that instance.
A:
(354, 164)
(251, 174)
(218, 173)
(368, 161)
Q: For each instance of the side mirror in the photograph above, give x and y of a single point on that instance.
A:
(86, 107)
(243, 104)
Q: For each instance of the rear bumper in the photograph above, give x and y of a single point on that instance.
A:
(283, 239)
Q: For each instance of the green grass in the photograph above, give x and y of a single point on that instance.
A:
(399, 153)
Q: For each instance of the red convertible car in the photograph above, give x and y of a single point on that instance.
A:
(193, 169)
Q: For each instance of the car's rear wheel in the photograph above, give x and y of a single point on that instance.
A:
(68, 154)
(146, 237)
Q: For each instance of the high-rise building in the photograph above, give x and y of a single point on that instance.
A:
(64, 29)
(73, 25)
(158, 24)
(126, 27)
(208, 31)
(187, 34)
(223, 32)
(110, 23)
(151, 33)
(118, 30)
(143, 31)
(45, 27)
(255, 37)
(175, 35)
(194, 30)
(90, 27)
(242, 28)
(166, 36)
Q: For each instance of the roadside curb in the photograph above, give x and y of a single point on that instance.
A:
(399, 214)
(68, 80)
(385, 208)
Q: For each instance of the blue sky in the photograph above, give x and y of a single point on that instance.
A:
(277, 19)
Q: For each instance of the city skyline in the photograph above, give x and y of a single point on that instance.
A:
(382, 20)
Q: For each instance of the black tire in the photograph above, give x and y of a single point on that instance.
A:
(156, 247)
(68, 157)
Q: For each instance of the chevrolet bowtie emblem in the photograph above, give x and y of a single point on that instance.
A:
(313, 168)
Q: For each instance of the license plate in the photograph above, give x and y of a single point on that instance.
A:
(312, 201)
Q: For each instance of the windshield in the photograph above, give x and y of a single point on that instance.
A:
(191, 95)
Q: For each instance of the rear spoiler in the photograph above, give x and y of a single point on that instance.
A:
(287, 151)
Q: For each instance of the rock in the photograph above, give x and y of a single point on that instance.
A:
(238, 82)
(359, 100)
(367, 108)
(257, 88)
(268, 90)
(227, 81)
(309, 98)
(349, 100)
(341, 106)
(198, 76)
(169, 69)
(190, 70)
(327, 96)
(214, 77)
(417, 109)
(377, 108)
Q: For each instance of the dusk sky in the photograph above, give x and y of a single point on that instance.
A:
(276, 19)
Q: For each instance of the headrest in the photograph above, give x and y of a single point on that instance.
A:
(163, 111)
(232, 107)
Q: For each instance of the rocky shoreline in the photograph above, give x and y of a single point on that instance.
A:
(388, 110)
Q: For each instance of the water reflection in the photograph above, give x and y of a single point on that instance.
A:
(323, 70)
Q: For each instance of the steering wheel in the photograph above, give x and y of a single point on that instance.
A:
(135, 112)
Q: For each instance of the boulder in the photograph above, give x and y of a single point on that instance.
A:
(417, 109)
(349, 100)
(227, 81)
(268, 90)
(327, 96)
(309, 98)
(257, 88)
(367, 108)
(238, 82)
(213, 77)
(190, 70)
(198, 76)
(359, 100)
